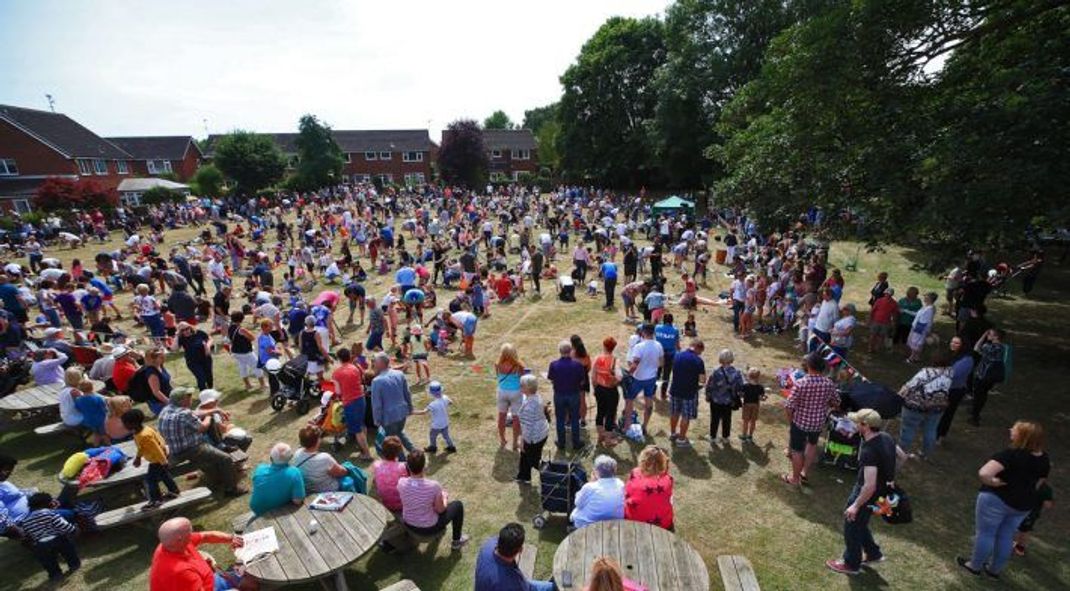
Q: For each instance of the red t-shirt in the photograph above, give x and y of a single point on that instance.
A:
(883, 310)
(121, 373)
(349, 380)
(649, 499)
(504, 287)
(185, 571)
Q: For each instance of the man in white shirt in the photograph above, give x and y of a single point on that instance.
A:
(644, 361)
(827, 315)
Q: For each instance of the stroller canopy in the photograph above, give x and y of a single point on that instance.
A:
(862, 394)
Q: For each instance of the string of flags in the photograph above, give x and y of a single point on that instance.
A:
(834, 359)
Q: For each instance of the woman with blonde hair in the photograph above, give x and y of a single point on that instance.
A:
(648, 493)
(113, 426)
(605, 576)
(1009, 483)
(509, 368)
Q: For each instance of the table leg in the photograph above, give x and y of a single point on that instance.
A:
(339, 581)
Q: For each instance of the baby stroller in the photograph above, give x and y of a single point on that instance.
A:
(295, 385)
(331, 419)
(842, 443)
(559, 481)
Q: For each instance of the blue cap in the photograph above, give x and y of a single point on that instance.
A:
(435, 388)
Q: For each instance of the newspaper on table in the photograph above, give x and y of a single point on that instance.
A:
(257, 544)
(331, 501)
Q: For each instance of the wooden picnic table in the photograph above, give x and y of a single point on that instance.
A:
(37, 398)
(647, 554)
(305, 555)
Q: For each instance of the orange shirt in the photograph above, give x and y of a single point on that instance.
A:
(185, 571)
(121, 373)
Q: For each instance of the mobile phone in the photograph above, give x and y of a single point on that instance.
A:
(566, 578)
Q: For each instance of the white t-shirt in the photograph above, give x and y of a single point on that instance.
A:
(827, 316)
(439, 411)
(315, 470)
(649, 353)
(51, 274)
(70, 415)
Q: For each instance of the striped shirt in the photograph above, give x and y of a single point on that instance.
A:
(418, 501)
(533, 427)
(44, 524)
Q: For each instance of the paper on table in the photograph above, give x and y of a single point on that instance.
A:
(257, 544)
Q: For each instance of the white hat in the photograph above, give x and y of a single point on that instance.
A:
(52, 331)
(208, 397)
(273, 365)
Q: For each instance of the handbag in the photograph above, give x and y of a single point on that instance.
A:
(899, 509)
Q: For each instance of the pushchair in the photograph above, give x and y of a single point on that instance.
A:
(295, 386)
(559, 481)
(843, 441)
(331, 419)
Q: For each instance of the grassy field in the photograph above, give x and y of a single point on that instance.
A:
(728, 499)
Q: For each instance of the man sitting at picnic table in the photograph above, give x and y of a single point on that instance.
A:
(177, 565)
(277, 483)
(497, 568)
(183, 430)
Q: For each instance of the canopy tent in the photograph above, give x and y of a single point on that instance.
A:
(673, 204)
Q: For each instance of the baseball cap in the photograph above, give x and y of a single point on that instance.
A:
(866, 416)
(180, 394)
(51, 332)
(435, 388)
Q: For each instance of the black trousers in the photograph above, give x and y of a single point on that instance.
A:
(980, 397)
(954, 398)
(535, 279)
(611, 287)
(530, 456)
(453, 516)
(665, 371)
(606, 401)
(720, 413)
(582, 266)
(48, 553)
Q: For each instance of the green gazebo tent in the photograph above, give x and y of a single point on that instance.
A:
(673, 204)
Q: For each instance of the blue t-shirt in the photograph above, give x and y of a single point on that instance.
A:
(103, 287)
(322, 314)
(494, 574)
(609, 270)
(264, 345)
(668, 336)
(386, 234)
(275, 486)
(296, 317)
(9, 294)
(566, 374)
(687, 366)
(405, 276)
(92, 302)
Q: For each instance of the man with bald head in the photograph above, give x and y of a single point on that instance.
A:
(277, 483)
(176, 563)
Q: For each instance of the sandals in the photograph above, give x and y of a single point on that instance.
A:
(786, 479)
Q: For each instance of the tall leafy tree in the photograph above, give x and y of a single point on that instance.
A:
(462, 158)
(546, 140)
(535, 118)
(251, 160)
(208, 181)
(608, 105)
(498, 120)
(319, 159)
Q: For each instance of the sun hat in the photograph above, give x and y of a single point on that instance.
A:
(208, 396)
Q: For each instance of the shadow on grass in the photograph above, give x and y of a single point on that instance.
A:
(728, 459)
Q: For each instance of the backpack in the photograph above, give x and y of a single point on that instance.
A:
(929, 395)
(138, 387)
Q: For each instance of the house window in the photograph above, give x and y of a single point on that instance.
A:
(521, 154)
(495, 153)
(414, 178)
(516, 175)
(85, 167)
(7, 167)
(22, 205)
(100, 167)
(386, 155)
(348, 157)
(412, 157)
(497, 176)
(159, 166)
(131, 199)
(362, 178)
(371, 155)
(386, 179)
(122, 166)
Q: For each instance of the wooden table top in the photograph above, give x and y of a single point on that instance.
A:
(342, 537)
(647, 554)
(33, 398)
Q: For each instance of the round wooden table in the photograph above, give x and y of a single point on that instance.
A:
(341, 538)
(647, 554)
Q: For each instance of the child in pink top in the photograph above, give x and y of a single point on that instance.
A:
(388, 471)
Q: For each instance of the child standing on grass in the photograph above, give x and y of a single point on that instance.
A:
(750, 305)
(50, 536)
(753, 394)
(152, 447)
(690, 329)
(438, 408)
(1044, 499)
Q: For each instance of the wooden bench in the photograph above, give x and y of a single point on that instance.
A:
(527, 560)
(59, 429)
(737, 574)
(132, 513)
(402, 585)
(238, 523)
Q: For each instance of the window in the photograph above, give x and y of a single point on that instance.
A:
(7, 167)
(362, 178)
(159, 166)
(122, 166)
(495, 153)
(22, 205)
(85, 167)
(521, 154)
(412, 157)
(131, 199)
(386, 155)
(100, 166)
(516, 175)
(371, 155)
(497, 176)
(414, 178)
(348, 157)
(386, 179)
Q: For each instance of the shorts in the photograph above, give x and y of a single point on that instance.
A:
(469, 328)
(656, 314)
(647, 387)
(686, 408)
(247, 365)
(629, 301)
(353, 414)
(880, 330)
(750, 411)
(798, 438)
(509, 400)
(315, 367)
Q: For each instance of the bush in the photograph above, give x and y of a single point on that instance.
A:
(158, 195)
(57, 194)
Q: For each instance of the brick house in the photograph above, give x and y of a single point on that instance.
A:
(35, 145)
(401, 157)
(158, 155)
(512, 152)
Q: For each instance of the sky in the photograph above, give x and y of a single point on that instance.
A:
(150, 67)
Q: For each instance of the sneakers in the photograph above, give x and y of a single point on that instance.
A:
(839, 566)
(458, 544)
(451, 449)
(151, 505)
(965, 563)
(682, 443)
(866, 560)
(430, 450)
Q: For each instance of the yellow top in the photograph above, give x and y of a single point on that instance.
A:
(151, 446)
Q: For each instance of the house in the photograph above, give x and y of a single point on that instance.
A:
(399, 156)
(159, 155)
(35, 145)
(512, 152)
(131, 190)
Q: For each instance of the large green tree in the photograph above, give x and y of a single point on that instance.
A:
(208, 181)
(535, 118)
(319, 159)
(608, 105)
(462, 158)
(251, 160)
(498, 120)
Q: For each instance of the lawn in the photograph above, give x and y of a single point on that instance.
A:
(728, 499)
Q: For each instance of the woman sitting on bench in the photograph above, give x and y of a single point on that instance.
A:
(425, 505)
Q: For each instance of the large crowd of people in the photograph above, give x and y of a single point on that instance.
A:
(282, 273)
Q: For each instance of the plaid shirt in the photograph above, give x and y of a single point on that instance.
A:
(180, 428)
(809, 402)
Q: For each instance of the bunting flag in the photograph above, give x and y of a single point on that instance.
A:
(834, 359)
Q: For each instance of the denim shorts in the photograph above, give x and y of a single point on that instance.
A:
(647, 387)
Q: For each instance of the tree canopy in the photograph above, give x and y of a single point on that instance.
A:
(207, 181)
(498, 120)
(319, 159)
(251, 160)
(462, 158)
